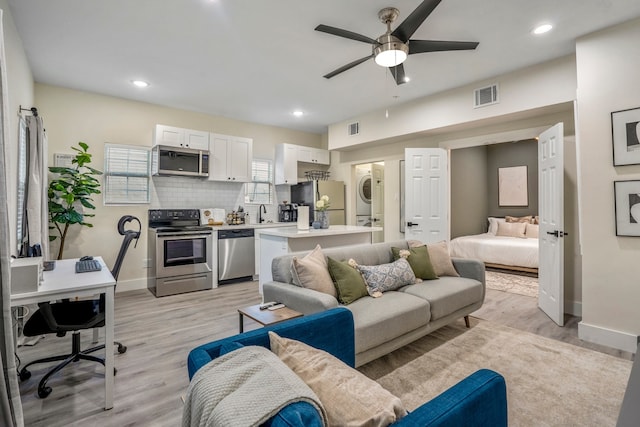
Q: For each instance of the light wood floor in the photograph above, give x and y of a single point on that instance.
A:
(159, 332)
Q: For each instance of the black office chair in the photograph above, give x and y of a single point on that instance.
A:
(72, 316)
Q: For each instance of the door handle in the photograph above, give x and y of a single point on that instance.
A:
(558, 233)
(410, 224)
(553, 233)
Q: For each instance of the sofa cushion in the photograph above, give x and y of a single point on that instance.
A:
(378, 320)
(447, 294)
(347, 280)
(348, 396)
(311, 272)
(419, 261)
(387, 277)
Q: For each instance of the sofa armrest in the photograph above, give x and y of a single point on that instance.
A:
(480, 400)
(470, 268)
(331, 331)
(304, 300)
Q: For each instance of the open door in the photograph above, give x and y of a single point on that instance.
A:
(426, 194)
(551, 231)
(377, 200)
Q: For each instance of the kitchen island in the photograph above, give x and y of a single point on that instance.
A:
(275, 242)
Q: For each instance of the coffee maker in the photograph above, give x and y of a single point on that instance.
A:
(288, 212)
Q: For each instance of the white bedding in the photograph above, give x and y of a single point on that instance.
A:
(488, 248)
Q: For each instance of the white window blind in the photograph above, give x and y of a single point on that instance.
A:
(127, 174)
(22, 180)
(260, 189)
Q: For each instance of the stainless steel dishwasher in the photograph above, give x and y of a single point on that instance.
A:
(236, 255)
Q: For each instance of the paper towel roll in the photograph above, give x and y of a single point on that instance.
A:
(303, 217)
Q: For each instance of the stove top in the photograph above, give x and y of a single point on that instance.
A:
(175, 220)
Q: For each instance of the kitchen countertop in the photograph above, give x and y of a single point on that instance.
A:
(294, 233)
(256, 226)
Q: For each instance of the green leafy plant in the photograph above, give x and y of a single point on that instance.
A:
(70, 193)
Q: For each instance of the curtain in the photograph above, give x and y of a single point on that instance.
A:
(10, 406)
(37, 209)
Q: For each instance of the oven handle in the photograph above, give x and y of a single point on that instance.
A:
(185, 234)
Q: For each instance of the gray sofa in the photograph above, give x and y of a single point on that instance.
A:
(398, 317)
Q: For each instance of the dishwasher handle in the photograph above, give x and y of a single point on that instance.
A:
(235, 234)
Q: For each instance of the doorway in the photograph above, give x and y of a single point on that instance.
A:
(369, 189)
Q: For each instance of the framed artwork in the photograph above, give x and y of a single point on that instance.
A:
(625, 127)
(627, 194)
(512, 186)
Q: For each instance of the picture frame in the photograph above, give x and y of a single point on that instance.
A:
(625, 131)
(513, 188)
(627, 207)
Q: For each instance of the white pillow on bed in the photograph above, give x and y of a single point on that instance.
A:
(493, 224)
(512, 229)
(531, 232)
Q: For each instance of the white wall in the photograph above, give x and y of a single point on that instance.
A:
(541, 85)
(20, 92)
(71, 116)
(608, 80)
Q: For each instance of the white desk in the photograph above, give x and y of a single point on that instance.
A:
(64, 282)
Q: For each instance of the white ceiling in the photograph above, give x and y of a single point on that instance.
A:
(260, 60)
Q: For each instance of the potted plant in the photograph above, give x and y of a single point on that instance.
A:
(321, 211)
(70, 193)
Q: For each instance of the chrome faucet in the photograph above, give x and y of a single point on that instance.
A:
(261, 209)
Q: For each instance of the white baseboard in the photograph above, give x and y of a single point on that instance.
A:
(609, 337)
(131, 285)
(573, 308)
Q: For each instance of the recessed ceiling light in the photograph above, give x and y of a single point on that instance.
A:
(543, 28)
(140, 83)
(298, 113)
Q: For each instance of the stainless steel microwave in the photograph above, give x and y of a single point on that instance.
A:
(180, 161)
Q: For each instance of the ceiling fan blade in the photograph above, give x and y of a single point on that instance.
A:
(421, 46)
(345, 33)
(398, 74)
(409, 26)
(347, 67)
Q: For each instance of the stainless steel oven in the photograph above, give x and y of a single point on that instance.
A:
(180, 252)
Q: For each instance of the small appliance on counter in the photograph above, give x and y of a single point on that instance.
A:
(288, 212)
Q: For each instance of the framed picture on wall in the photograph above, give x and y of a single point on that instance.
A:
(512, 186)
(625, 127)
(627, 195)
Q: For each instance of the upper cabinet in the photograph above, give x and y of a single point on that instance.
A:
(286, 168)
(288, 156)
(180, 137)
(313, 155)
(230, 158)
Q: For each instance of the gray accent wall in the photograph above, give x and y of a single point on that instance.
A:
(469, 202)
(522, 153)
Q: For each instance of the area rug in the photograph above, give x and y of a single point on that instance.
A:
(549, 383)
(513, 283)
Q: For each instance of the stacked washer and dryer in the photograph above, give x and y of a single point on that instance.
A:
(363, 198)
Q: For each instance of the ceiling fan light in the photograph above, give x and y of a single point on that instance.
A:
(391, 51)
(390, 58)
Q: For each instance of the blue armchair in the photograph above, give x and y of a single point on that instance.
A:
(478, 400)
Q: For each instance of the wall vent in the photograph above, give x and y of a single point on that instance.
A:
(353, 128)
(485, 96)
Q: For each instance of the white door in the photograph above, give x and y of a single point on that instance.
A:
(551, 231)
(377, 201)
(426, 194)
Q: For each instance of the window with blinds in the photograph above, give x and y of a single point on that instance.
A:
(260, 189)
(127, 171)
(22, 181)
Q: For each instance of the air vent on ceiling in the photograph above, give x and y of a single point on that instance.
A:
(485, 96)
(353, 128)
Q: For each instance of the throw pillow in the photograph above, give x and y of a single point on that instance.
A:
(493, 224)
(527, 218)
(312, 272)
(536, 219)
(347, 280)
(387, 277)
(349, 397)
(512, 229)
(531, 232)
(441, 259)
(419, 261)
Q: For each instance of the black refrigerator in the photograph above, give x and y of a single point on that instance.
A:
(307, 193)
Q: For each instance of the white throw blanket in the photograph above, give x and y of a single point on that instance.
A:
(245, 387)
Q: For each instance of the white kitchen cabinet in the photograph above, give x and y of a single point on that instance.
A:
(286, 168)
(230, 158)
(180, 137)
(313, 155)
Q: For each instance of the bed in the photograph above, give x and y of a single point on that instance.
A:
(501, 249)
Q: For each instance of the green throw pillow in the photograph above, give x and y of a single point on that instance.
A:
(419, 261)
(348, 281)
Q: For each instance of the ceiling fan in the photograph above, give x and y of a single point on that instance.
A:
(391, 49)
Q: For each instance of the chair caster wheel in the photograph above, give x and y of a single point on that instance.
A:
(44, 392)
(24, 375)
(122, 348)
